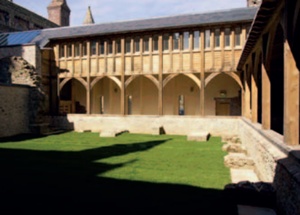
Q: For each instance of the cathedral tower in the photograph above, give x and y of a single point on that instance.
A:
(254, 3)
(59, 12)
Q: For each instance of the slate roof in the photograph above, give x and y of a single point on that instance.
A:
(179, 21)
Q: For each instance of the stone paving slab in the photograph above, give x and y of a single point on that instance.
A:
(238, 175)
(250, 210)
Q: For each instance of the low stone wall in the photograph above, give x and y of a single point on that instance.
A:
(275, 162)
(179, 125)
(14, 110)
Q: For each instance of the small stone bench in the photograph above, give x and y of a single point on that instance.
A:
(198, 136)
(111, 133)
(157, 130)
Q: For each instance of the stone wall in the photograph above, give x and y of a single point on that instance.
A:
(275, 162)
(14, 110)
(179, 125)
(30, 53)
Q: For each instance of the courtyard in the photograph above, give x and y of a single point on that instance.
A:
(77, 173)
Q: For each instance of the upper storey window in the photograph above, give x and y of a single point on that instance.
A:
(110, 47)
(102, 47)
(155, 43)
(61, 51)
(176, 39)
(77, 50)
(118, 46)
(166, 42)
(146, 44)
(217, 38)
(186, 40)
(137, 45)
(227, 37)
(207, 39)
(93, 48)
(196, 44)
(84, 49)
(237, 36)
(128, 45)
(69, 50)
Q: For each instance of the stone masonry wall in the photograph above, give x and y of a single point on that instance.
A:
(29, 52)
(14, 110)
(180, 125)
(275, 162)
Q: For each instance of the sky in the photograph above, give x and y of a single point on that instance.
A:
(121, 10)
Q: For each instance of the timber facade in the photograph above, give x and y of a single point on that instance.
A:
(173, 71)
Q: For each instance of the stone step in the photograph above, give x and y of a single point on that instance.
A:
(234, 147)
(251, 210)
(239, 175)
(238, 161)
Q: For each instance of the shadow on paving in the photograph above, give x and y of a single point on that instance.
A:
(57, 182)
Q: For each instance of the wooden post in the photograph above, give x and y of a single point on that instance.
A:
(123, 90)
(160, 77)
(202, 75)
(88, 90)
(247, 96)
(266, 99)
(291, 98)
(254, 95)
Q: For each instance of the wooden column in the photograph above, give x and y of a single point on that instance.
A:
(266, 98)
(202, 75)
(160, 77)
(247, 97)
(254, 95)
(123, 90)
(291, 98)
(88, 80)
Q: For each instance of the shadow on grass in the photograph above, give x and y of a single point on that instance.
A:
(57, 182)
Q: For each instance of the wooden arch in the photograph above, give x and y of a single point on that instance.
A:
(114, 79)
(150, 77)
(231, 74)
(81, 80)
(191, 76)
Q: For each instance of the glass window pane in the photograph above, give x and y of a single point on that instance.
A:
(69, 50)
(186, 39)
(62, 51)
(77, 50)
(84, 49)
(93, 48)
(137, 45)
(207, 38)
(110, 47)
(155, 43)
(101, 47)
(196, 40)
(227, 37)
(128, 45)
(176, 38)
(165, 42)
(118, 46)
(146, 44)
(217, 38)
(237, 37)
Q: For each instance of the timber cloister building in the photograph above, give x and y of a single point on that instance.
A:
(230, 72)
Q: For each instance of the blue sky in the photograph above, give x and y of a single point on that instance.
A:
(119, 10)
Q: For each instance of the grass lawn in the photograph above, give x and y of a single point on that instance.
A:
(75, 173)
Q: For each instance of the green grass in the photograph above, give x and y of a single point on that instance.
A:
(84, 170)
